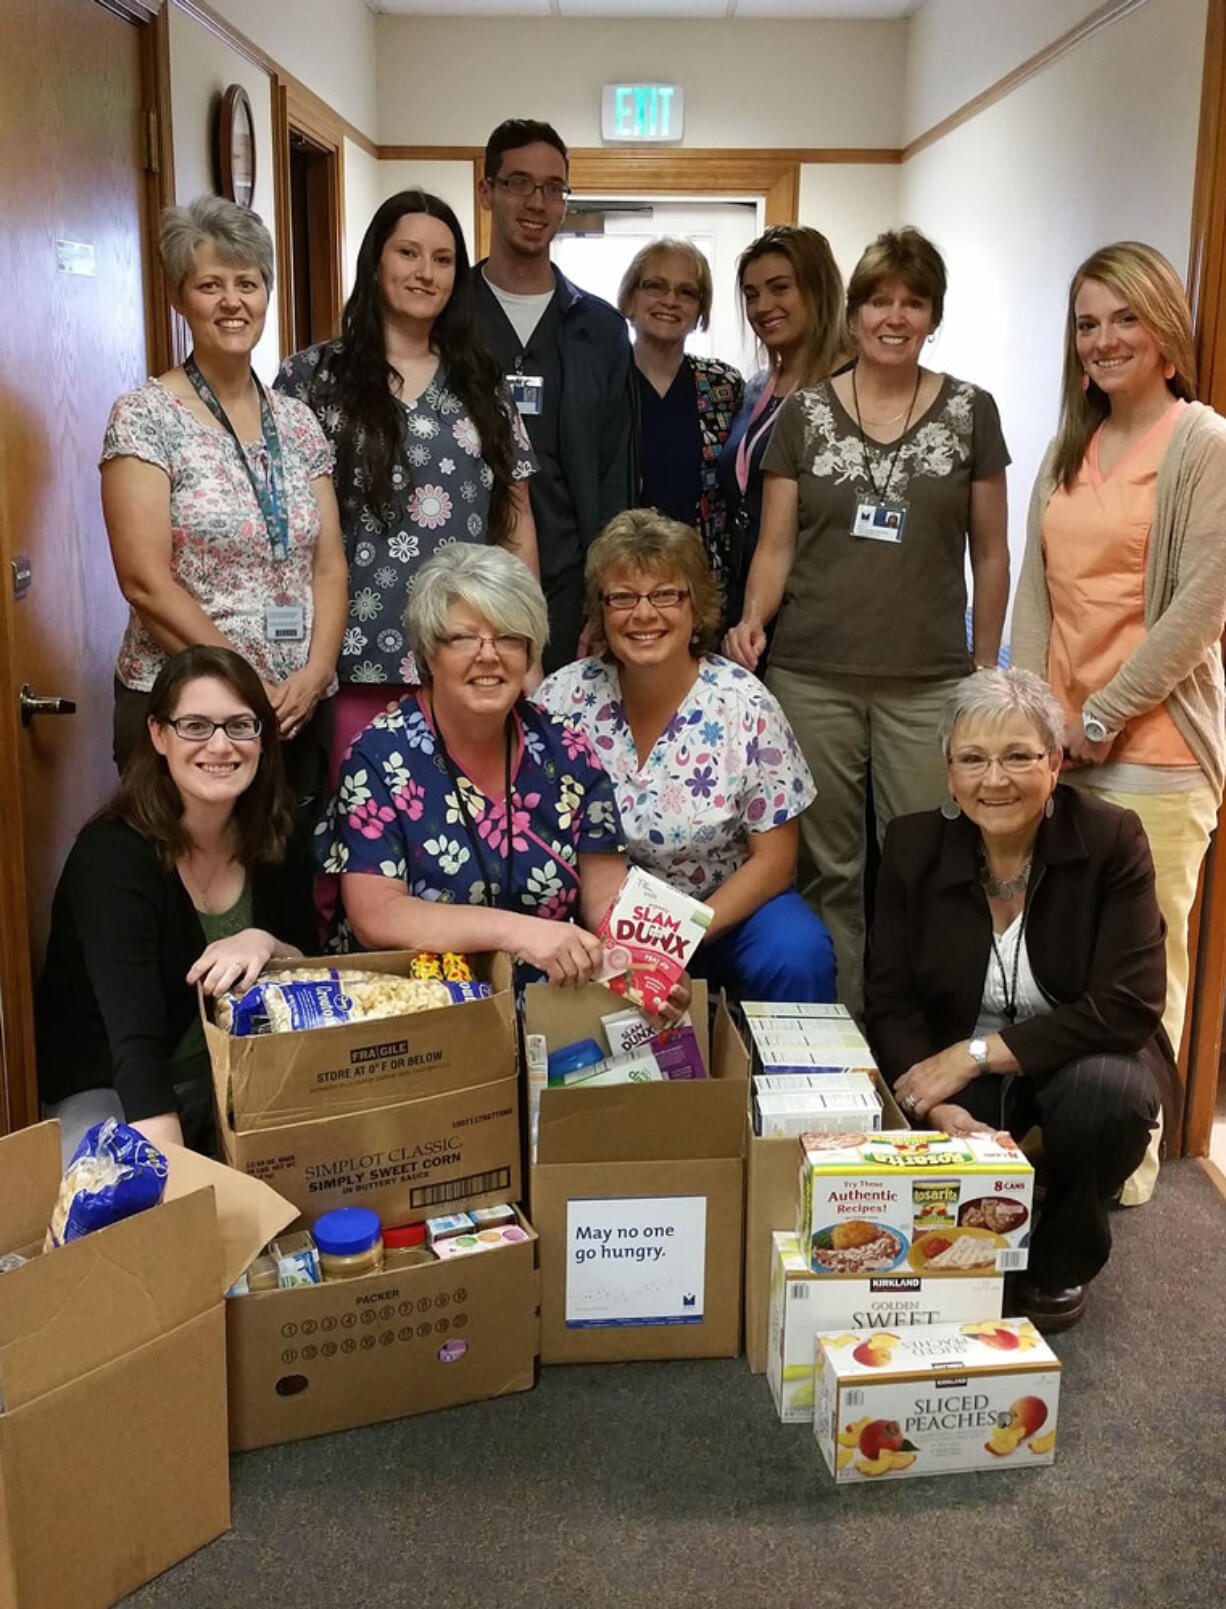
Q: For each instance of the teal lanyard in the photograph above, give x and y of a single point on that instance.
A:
(267, 492)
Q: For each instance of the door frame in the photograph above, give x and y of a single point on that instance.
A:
(296, 110)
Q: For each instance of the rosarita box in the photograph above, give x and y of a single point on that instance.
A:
(936, 1401)
(407, 1115)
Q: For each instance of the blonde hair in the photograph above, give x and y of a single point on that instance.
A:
(1143, 278)
(491, 581)
(820, 285)
(641, 539)
(699, 267)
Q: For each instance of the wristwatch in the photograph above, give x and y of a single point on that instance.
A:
(977, 1050)
(1093, 727)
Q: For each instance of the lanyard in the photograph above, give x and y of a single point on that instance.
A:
(749, 440)
(882, 493)
(503, 900)
(267, 492)
(1009, 989)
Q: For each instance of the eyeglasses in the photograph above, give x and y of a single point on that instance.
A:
(1014, 762)
(469, 643)
(519, 184)
(621, 603)
(664, 287)
(199, 729)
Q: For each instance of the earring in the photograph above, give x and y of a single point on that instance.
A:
(950, 808)
(1085, 379)
(1049, 809)
(932, 338)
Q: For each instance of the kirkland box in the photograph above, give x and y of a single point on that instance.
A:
(113, 1456)
(950, 1398)
(406, 1115)
(884, 1305)
(637, 1194)
(771, 1199)
(921, 1202)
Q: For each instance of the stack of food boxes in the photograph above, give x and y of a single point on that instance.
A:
(812, 1070)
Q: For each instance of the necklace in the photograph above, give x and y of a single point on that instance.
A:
(1009, 887)
(882, 493)
(902, 414)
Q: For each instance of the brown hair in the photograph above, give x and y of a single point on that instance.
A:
(903, 254)
(699, 267)
(147, 798)
(820, 285)
(1144, 279)
(642, 539)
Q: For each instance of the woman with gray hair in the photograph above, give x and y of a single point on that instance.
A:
(466, 818)
(219, 504)
(1017, 973)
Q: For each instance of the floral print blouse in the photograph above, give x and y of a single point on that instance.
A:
(726, 765)
(220, 551)
(396, 814)
(444, 497)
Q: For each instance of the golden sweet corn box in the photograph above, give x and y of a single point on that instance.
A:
(954, 1397)
(924, 1203)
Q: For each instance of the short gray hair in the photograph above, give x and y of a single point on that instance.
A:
(237, 233)
(497, 585)
(992, 695)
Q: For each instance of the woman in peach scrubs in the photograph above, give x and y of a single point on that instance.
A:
(1121, 602)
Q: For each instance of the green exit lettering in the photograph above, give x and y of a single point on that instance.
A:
(643, 111)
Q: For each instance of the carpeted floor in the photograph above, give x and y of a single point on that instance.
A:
(671, 1485)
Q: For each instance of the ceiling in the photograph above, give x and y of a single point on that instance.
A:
(855, 10)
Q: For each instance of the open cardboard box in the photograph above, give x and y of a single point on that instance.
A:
(113, 1451)
(637, 1194)
(407, 1115)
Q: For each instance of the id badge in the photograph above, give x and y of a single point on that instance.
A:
(879, 522)
(527, 392)
(285, 622)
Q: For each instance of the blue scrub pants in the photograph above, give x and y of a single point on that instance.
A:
(782, 951)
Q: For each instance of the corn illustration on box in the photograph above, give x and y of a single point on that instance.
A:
(923, 1203)
(981, 1395)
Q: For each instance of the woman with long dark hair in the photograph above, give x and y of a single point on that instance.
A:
(429, 447)
(181, 879)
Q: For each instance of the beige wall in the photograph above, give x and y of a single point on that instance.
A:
(850, 204)
(1099, 146)
(363, 193)
(451, 181)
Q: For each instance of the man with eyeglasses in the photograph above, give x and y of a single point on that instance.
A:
(566, 355)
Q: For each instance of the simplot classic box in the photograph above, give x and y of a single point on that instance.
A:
(955, 1208)
(936, 1401)
(114, 1462)
(406, 1115)
(318, 1358)
(637, 1194)
(802, 1304)
(771, 1202)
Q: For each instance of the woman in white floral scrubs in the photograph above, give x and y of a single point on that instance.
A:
(429, 449)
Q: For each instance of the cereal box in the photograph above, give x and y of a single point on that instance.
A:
(981, 1395)
(650, 931)
(919, 1202)
(791, 1039)
(803, 1304)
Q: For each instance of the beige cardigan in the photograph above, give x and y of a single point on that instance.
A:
(1179, 661)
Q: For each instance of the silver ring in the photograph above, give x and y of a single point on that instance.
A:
(908, 1102)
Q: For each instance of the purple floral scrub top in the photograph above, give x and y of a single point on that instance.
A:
(397, 815)
(726, 765)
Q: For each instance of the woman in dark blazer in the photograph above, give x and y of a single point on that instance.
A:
(1017, 973)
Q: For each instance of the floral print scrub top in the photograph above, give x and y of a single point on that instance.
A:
(726, 765)
(220, 551)
(396, 814)
(444, 498)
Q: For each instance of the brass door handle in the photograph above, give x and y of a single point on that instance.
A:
(31, 705)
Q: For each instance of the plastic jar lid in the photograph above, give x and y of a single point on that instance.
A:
(583, 1053)
(347, 1231)
(404, 1235)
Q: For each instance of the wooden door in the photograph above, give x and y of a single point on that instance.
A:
(74, 336)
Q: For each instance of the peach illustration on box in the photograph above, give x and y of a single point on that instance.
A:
(1005, 1337)
(877, 1446)
(1027, 1416)
(877, 1351)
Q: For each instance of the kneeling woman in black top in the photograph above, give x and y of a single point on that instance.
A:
(180, 879)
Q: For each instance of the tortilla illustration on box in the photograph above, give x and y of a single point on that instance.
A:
(650, 931)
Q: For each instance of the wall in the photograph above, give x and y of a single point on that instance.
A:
(201, 67)
(850, 204)
(1099, 146)
(363, 193)
(451, 181)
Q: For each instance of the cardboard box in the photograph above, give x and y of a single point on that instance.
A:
(954, 1397)
(113, 1456)
(404, 1341)
(771, 1197)
(803, 1304)
(406, 1115)
(637, 1194)
(955, 1208)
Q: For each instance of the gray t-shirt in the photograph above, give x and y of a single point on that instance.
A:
(858, 606)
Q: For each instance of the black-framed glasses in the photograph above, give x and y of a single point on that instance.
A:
(623, 600)
(519, 184)
(507, 645)
(1015, 762)
(199, 729)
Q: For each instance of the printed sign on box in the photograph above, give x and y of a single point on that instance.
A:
(635, 1260)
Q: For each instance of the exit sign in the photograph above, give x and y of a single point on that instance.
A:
(642, 112)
